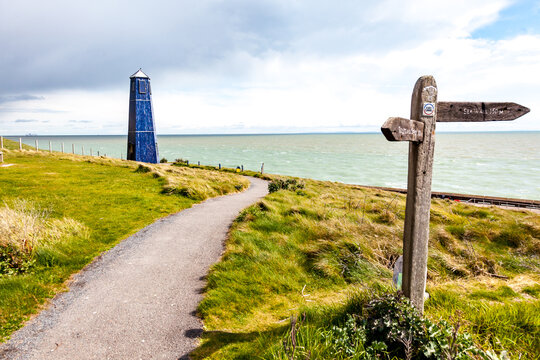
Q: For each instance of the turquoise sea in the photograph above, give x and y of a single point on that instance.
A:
(494, 164)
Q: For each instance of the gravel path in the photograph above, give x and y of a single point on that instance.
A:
(138, 300)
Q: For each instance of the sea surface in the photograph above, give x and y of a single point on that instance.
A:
(503, 164)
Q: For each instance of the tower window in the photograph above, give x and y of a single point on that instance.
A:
(143, 87)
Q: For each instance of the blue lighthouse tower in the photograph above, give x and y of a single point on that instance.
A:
(142, 144)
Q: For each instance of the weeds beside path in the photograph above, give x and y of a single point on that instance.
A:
(309, 250)
(139, 299)
(102, 200)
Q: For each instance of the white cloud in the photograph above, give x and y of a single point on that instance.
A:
(362, 90)
(275, 66)
(69, 112)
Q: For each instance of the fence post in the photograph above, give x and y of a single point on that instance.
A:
(82, 149)
(262, 168)
(50, 147)
(37, 145)
(20, 144)
(2, 141)
(91, 153)
(62, 148)
(73, 148)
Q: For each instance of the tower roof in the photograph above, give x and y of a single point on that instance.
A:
(139, 74)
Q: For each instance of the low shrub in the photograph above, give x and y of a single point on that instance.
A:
(288, 184)
(181, 161)
(385, 327)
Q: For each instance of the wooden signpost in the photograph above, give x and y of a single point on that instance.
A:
(420, 132)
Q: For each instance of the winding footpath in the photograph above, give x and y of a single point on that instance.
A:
(138, 300)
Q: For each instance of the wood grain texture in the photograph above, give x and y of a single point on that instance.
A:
(451, 111)
(416, 231)
(400, 129)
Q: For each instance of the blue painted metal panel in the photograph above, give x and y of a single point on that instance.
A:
(142, 144)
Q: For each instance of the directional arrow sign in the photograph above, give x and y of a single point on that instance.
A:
(400, 129)
(478, 111)
(420, 132)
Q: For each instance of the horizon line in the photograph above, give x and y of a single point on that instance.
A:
(276, 133)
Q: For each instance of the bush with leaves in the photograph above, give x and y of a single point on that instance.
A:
(288, 184)
(387, 327)
(181, 161)
(410, 336)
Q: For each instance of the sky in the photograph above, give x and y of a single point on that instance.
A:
(266, 66)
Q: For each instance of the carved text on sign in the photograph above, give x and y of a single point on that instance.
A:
(408, 132)
(478, 111)
(400, 129)
(467, 111)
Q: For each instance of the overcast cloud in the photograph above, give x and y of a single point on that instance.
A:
(260, 66)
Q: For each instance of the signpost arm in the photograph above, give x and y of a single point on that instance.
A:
(416, 232)
(419, 130)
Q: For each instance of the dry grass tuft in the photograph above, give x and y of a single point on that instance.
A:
(190, 182)
(24, 228)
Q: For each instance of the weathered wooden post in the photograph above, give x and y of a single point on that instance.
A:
(82, 149)
(73, 148)
(262, 168)
(20, 144)
(50, 147)
(420, 132)
(37, 145)
(62, 148)
(2, 142)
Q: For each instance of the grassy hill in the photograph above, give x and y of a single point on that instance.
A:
(59, 211)
(301, 267)
(301, 259)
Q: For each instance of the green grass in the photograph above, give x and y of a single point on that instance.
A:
(499, 319)
(312, 249)
(111, 198)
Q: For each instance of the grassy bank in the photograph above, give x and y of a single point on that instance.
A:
(59, 211)
(323, 249)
